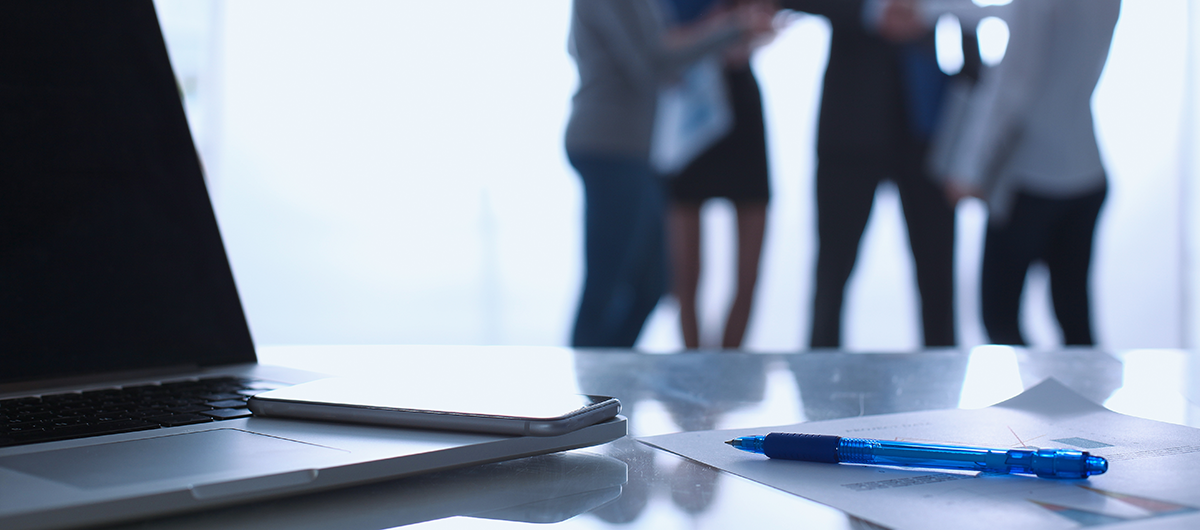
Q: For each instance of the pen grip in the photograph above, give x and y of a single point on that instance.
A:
(806, 447)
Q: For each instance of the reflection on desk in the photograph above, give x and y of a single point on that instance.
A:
(722, 390)
(537, 489)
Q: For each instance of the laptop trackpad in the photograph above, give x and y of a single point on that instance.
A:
(219, 454)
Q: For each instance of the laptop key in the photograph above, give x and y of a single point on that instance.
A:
(65, 422)
(19, 427)
(121, 409)
(228, 414)
(253, 392)
(176, 420)
(34, 416)
(79, 431)
(190, 409)
(223, 396)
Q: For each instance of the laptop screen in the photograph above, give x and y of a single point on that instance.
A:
(110, 256)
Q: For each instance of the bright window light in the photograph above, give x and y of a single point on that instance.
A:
(993, 40)
(948, 35)
(992, 376)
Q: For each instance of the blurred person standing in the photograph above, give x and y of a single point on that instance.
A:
(880, 102)
(622, 55)
(734, 168)
(1028, 146)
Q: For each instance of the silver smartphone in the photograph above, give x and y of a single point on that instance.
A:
(353, 400)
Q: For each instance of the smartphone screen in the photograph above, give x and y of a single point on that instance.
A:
(378, 402)
(379, 395)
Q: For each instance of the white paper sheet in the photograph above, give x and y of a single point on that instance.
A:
(1153, 479)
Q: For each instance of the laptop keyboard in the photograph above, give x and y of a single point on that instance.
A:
(71, 415)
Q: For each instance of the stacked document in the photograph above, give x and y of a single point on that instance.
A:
(1153, 479)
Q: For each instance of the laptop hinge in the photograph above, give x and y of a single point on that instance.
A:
(75, 382)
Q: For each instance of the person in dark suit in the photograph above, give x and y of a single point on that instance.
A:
(882, 90)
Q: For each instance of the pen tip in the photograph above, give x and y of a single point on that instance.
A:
(731, 442)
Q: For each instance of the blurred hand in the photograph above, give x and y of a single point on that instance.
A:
(957, 191)
(757, 18)
(901, 21)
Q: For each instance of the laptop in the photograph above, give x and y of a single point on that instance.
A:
(125, 356)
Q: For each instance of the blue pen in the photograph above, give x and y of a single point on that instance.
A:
(1046, 463)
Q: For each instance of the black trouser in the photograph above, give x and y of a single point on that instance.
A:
(844, 200)
(1058, 232)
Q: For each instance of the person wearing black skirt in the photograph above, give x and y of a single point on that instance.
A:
(735, 168)
(623, 58)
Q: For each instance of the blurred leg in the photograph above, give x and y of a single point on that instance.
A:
(1069, 258)
(844, 200)
(647, 268)
(1008, 251)
(930, 220)
(623, 246)
(684, 237)
(751, 227)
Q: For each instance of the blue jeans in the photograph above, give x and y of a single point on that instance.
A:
(625, 254)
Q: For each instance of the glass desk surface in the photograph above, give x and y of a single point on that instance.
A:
(626, 484)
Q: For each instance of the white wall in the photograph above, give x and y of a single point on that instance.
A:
(392, 172)
(1189, 163)
(1138, 274)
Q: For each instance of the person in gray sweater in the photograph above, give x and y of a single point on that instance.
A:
(624, 55)
(1028, 147)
